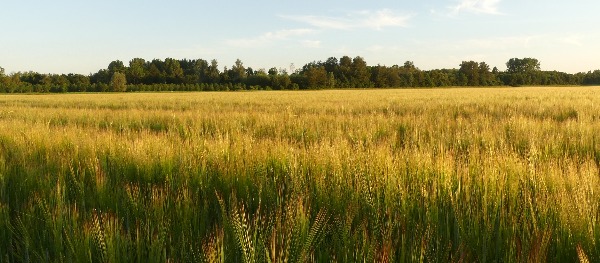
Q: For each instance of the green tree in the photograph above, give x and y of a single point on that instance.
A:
(3, 81)
(102, 76)
(360, 75)
(137, 70)
(468, 74)
(378, 76)
(281, 81)
(407, 74)
(522, 71)
(392, 74)
(78, 82)
(592, 78)
(118, 82)
(330, 80)
(250, 71)
(331, 65)
(259, 78)
(472, 73)
(525, 65)
(487, 77)
(191, 73)
(156, 73)
(200, 69)
(225, 76)
(441, 77)
(173, 71)
(316, 77)
(238, 72)
(344, 72)
(32, 77)
(56, 83)
(213, 75)
(272, 72)
(116, 66)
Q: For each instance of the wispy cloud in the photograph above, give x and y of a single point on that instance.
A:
(574, 40)
(311, 43)
(384, 18)
(376, 20)
(375, 48)
(477, 7)
(501, 42)
(269, 37)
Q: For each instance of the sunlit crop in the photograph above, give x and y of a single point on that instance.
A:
(442, 175)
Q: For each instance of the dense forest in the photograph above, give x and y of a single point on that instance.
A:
(345, 72)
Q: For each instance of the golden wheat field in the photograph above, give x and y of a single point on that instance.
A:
(424, 175)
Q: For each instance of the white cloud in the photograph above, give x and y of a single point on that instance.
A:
(525, 42)
(284, 34)
(574, 40)
(385, 18)
(321, 22)
(501, 42)
(376, 20)
(343, 50)
(311, 43)
(477, 6)
(375, 48)
(185, 51)
(269, 37)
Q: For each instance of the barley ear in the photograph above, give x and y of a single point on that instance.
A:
(317, 231)
(581, 254)
(99, 236)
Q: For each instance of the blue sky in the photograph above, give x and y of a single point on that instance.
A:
(68, 36)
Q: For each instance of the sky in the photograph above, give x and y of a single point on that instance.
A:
(83, 36)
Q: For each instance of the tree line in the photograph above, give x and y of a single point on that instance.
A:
(346, 72)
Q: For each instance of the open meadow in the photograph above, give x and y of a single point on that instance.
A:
(429, 175)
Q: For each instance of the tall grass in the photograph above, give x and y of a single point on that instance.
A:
(448, 175)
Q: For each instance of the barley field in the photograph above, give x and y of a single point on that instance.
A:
(431, 175)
